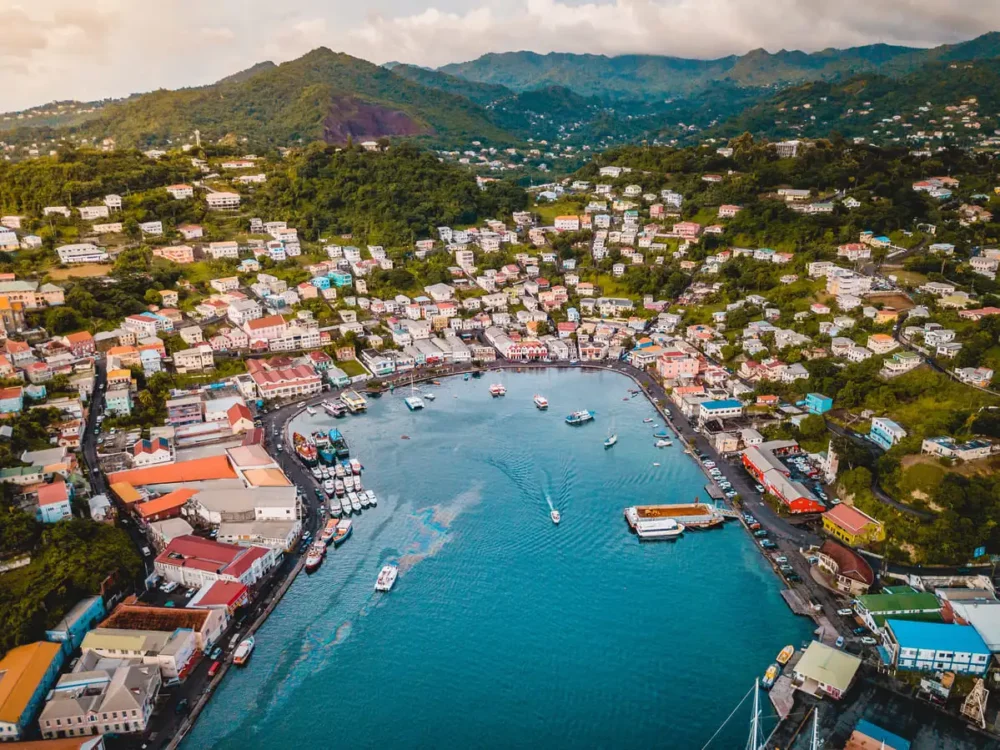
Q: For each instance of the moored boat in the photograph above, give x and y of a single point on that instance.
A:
(770, 676)
(497, 390)
(386, 578)
(328, 531)
(310, 411)
(314, 558)
(430, 396)
(785, 654)
(330, 487)
(335, 509)
(371, 497)
(343, 531)
(355, 504)
(345, 505)
(339, 488)
(339, 443)
(335, 410)
(647, 420)
(242, 654)
(663, 443)
(304, 449)
(355, 465)
(353, 401)
(580, 417)
(413, 403)
(541, 402)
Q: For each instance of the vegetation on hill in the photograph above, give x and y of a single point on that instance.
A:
(321, 96)
(385, 198)
(474, 91)
(651, 77)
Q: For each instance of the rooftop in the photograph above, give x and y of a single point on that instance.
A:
(937, 636)
(21, 671)
(828, 665)
(198, 470)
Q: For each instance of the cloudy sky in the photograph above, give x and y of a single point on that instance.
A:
(62, 49)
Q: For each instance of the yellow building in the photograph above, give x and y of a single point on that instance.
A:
(850, 525)
(27, 673)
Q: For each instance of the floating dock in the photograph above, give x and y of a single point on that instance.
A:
(691, 515)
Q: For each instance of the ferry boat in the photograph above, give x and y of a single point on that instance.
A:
(785, 654)
(335, 410)
(355, 504)
(579, 417)
(304, 449)
(356, 467)
(770, 676)
(497, 390)
(658, 528)
(554, 515)
(343, 531)
(663, 443)
(314, 558)
(611, 440)
(243, 651)
(339, 444)
(541, 402)
(413, 403)
(371, 497)
(353, 401)
(386, 578)
(328, 531)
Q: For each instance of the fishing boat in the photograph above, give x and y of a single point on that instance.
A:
(335, 509)
(304, 449)
(353, 401)
(345, 505)
(497, 390)
(363, 498)
(326, 454)
(314, 558)
(661, 434)
(339, 444)
(785, 654)
(356, 467)
(331, 486)
(343, 531)
(541, 402)
(554, 515)
(328, 531)
(770, 676)
(386, 578)
(611, 440)
(579, 417)
(663, 443)
(310, 411)
(338, 486)
(242, 654)
(371, 497)
(355, 504)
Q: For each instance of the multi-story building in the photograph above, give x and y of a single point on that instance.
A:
(242, 311)
(302, 380)
(885, 432)
(853, 526)
(172, 651)
(195, 359)
(223, 201)
(184, 410)
(81, 252)
(935, 647)
(27, 673)
(180, 192)
(194, 561)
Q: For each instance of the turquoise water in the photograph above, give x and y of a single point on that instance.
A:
(504, 630)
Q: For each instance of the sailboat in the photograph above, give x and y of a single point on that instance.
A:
(612, 436)
(413, 401)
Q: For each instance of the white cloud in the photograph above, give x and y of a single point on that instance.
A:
(59, 49)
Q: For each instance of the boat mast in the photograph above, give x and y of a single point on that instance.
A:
(754, 740)
(815, 737)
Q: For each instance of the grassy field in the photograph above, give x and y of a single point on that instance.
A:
(81, 271)
(549, 211)
(929, 413)
(352, 367)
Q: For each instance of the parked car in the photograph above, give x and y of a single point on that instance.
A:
(759, 487)
(781, 560)
(787, 569)
(168, 587)
(840, 641)
(760, 533)
(868, 641)
(845, 612)
(214, 668)
(793, 577)
(146, 551)
(768, 544)
(216, 653)
(860, 630)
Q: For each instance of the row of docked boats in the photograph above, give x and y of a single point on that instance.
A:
(353, 501)
(334, 533)
(772, 673)
(322, 447)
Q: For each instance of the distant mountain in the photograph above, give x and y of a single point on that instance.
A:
(876, 105)
(51, 115)
(650, 77)
(321, 96)
(480, 93)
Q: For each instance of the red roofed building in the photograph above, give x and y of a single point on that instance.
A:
(240, 418)
(302, 380)
(225, 595)
(166, 506)
(80, 343)
(849, 571)
(53, 502)
(265, 329)
(194, 562)
(851, 526)
(979, 313)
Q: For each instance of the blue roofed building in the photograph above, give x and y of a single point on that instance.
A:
(725, 409)
(817, 403)
(868, 735)
(934, 646)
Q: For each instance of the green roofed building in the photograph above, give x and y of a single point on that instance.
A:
(908, 604)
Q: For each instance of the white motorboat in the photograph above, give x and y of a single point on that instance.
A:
(658, 528)
(541, 403)
(355, 503)
(315, 471)
(324, 472)
(612, 440)
(310, 411)
(497, 390)
(339, 470)
(555, 516)
(663, 443)
(371, 497)
(335, 509)
(362, 498)
(413, 403)
(430, 396)
(345, 505)
(386, 578)
(329, 487)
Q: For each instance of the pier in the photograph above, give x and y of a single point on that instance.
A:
(692, 515)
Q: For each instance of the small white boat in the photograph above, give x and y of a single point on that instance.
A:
(339, 470)
(554, 515)
(541, 402)
(345, 505)
(663, 443)
(356, 482)
(612, 440)
(372, 500)
(355, 466)
(430, 396)
(353, 497)
(362, 498)
(335, 509)
(310, 411)
(386, 578)
(355, 503)
(316, 472)
(324, 472)
(647, 420)
(656, 463)
(497, 390)
(328, 487)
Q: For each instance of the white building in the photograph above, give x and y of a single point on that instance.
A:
(82, 252)
(223, 201)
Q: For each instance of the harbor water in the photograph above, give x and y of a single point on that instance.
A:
(503, 629)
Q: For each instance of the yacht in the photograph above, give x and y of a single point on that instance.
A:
(541, 402)
(386, 578)
(498, 389)
(612, 440)
(659, 528)
(579, 417)
(554, 515)
(413, 403)
(243, 651)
